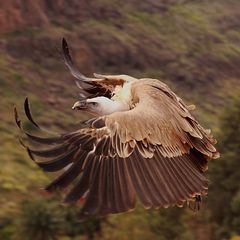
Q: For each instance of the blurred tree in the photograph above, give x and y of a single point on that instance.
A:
(7, 227)
(40, 220)
(166, 224)
(73, 227)
(142, 224)
(224, 197)
(46, 219)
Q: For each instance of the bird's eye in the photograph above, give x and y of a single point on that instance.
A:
(94, 103)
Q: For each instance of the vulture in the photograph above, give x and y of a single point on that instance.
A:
(142, 143)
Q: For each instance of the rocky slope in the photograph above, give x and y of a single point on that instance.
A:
(191, 45)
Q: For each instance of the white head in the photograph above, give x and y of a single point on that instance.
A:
(101, 106)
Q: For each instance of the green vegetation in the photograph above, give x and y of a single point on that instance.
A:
(224, 199)
(46, 219)
(193, 46)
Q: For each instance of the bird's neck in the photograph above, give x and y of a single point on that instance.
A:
(122, 94)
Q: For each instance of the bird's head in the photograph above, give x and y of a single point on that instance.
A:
(100, 106)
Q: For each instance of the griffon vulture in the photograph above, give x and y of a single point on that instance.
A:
(142, 143)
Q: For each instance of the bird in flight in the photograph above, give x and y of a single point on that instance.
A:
(142, 143)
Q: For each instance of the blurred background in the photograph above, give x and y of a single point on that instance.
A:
(193, 46)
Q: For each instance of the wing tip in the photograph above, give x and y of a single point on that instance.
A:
(27, 148)
(64, 43)
(65, 50)
(16, 117)
(30, 154)
(28, 112)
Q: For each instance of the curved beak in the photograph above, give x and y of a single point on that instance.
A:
(80, 105)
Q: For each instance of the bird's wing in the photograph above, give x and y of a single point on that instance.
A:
(155, 151)
(161, 118)
(101, 85)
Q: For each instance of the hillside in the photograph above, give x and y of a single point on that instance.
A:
(194, 46)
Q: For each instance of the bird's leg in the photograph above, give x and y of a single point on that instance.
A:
(195, 203)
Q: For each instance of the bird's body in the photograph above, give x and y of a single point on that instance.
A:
(142, 143)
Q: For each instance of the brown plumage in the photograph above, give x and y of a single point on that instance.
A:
(155, 151)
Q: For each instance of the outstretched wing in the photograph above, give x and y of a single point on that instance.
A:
(101, 85)
(157, 155)
(86, 158)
